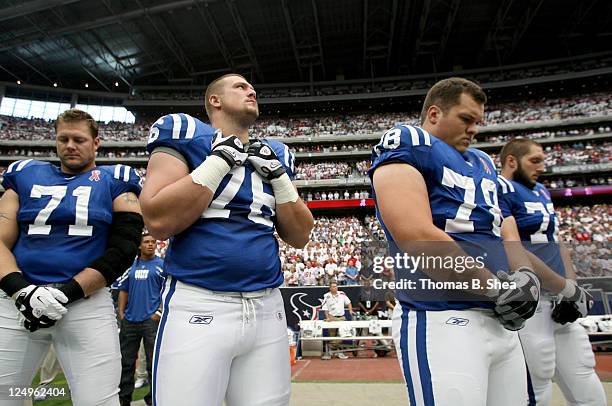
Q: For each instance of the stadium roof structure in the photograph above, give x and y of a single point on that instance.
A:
(112, 44)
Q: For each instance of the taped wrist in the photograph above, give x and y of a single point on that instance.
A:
(13, 283)
(123, 241)
(73, 290)
(569, 289)
(284, 192)
(223, 155)
(210, 173)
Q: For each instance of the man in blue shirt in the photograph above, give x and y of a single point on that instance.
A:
(114, 289)
(352, 273)
(139, 312)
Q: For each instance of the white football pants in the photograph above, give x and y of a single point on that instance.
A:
(562, 351)
(213, 346)
(86, 344)
(459, 358)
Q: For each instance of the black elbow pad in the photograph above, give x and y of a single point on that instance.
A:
(123, 242)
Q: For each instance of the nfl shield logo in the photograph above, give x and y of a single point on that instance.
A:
(95, 175)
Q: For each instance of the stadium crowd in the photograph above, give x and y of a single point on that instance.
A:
(337, 244)
(330, 170)
(481, 138)
(588, 229)
(332, 147)
(51, 152)
(546, 134)
(532, 110)
(334, 195)
(586, 223)
(338, 172)
(594, 104)
(332, 253)
(576, 154)
(560, 183)
(336, 147)
(373, 225)
(16, 128)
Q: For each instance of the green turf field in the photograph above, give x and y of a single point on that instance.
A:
(61, 380)
(342, 394)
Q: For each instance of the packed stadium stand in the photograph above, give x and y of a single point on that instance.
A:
(544, 109)
(325, 151)
(335, 240)
(331, 79)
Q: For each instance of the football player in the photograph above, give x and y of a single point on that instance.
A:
(553, 342)
(221, 195)
(454, 346)
(65, 234)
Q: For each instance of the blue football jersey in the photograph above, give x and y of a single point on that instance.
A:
(232, 246)
(462, 190)
(143, 282)
(63, 219)
(117, 282)
(536, 220)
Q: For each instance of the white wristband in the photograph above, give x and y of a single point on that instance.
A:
(569, 289)
(284, 192)
(210, 173)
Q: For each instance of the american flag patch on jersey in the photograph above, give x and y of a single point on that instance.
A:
(95, 175)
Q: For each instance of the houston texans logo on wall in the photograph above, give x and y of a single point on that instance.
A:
(303, 310)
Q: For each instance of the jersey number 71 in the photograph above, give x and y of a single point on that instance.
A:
(57, 193)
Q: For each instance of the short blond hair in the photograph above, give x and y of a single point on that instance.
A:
(213, 88)
(76, 115)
